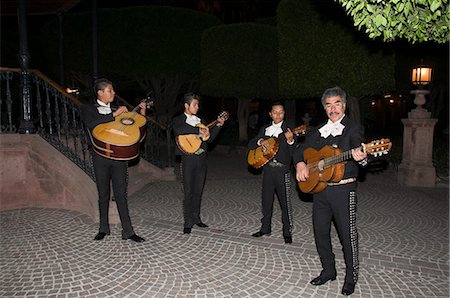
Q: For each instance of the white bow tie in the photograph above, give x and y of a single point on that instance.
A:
(104, 110)
(192, 120)
(274, 130)
(334, 129)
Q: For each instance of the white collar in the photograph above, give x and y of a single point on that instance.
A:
(192, 120)
(101, 103)
(103, 108)
(332, 128)
(274, 130)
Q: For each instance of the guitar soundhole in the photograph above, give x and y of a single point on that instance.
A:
(127, 121)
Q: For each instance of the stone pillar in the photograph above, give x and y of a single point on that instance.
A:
(416, 168)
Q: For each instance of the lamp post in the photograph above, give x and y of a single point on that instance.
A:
(416, 168)
(421, 77)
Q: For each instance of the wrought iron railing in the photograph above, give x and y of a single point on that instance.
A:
(56, 116)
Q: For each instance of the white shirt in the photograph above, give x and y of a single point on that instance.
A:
(332, 128)
(103, 108)
(192, 120)
(274, 130)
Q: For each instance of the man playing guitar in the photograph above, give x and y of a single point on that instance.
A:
(193, 166)
(276, 173)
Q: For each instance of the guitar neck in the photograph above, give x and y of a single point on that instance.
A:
(212, 124)
(328, 162)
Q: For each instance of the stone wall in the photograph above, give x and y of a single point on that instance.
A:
(35, 174)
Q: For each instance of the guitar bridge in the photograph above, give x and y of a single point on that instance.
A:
(117, 132)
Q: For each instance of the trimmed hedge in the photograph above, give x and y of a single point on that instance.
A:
(316, 54)
(239, 60)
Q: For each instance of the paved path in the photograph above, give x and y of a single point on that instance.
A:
(403, 245)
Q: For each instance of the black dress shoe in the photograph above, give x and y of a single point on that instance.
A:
(320, 280)
(348, 289)
(287, 239)
(259, 234)
(187, 230)
(100, 236)
(202, 225)
(135, 238)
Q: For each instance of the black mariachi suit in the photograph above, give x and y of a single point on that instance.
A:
(193, 170)
(105, 171)
(338, 202)
(276, 179)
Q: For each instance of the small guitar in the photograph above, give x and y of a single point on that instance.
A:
(260, 156)
(327, 164)
(119, 139)
(190, 143)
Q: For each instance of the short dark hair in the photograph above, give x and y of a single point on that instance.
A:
(276, 103)
(334, 91)
(189, 97)
(100, 84)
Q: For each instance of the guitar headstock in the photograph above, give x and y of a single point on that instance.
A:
(224, 115)
(378, 147)
(300, 130)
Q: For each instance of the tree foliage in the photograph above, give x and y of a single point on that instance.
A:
(156, 47)
(413, 20)
(240, 60)
(315, 54)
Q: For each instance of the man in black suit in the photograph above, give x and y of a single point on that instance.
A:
(193, 166)
(276, 173)
(338, 200)
(107, 170)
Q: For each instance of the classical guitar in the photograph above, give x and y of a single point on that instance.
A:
(119, 139)
(260, 156)
(190, 143)
(327, 164)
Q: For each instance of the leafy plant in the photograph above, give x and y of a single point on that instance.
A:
(413, 20)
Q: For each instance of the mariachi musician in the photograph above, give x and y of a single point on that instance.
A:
(105, 169)
(193, 166)
(338, 200)
(276, 172)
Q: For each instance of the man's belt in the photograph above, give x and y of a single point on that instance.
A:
(342, 182)
(275, 163)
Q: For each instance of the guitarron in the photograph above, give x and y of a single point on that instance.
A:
(190, 143)
(260, 156)
(120, 139)
(327, 164)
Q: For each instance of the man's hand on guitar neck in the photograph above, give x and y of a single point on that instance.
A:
(220, 121)
(359, 154)
(289, 136)
(302, 171)
(120, 110)
(143, 106)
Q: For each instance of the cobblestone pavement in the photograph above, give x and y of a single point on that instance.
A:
(403, 237)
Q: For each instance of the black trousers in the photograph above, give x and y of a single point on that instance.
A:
(276, 180)
(338, 203)
(107, 170)
(193, 173)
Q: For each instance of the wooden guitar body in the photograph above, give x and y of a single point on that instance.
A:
(259, 157)
(319, 175)
(328, 164)
(119, 139)
(190, 143)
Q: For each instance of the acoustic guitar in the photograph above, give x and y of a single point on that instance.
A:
(260, 156)
(327, 164)
(120, 139)
(190, 143)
